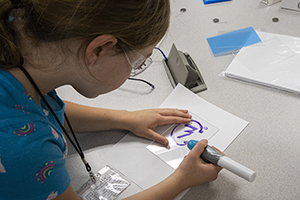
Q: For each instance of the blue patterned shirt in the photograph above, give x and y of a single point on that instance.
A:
(32, 147)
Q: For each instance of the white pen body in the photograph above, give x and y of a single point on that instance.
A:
(237, 168)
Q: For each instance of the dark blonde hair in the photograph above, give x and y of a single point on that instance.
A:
(136, 23)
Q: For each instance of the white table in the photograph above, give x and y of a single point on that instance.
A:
(269, 144)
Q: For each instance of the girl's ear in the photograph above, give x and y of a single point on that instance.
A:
(97, 45)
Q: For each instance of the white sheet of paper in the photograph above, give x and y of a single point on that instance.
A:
(131, 157)
(273, 63)
(178, 135)
(230, 126)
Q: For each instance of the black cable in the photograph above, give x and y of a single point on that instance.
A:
(137, 79)
(163, 54)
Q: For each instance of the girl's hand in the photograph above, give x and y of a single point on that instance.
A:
(143, 123)
(193, 170)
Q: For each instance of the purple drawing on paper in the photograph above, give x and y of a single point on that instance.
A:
(188, 130)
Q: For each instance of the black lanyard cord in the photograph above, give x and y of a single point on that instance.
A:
(77, 146)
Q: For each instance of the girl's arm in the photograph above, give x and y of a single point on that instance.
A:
(141, 123)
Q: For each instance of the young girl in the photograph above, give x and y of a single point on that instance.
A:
(93, 45)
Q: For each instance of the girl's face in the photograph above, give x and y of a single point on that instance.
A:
(108, 73)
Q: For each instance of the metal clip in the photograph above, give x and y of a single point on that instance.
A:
(92, 175)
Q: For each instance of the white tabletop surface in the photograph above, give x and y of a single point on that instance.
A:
(269, 144)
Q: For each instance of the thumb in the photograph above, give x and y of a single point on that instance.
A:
(199, 148)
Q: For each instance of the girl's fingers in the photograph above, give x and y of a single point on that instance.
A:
(174, 112)
(152, 135)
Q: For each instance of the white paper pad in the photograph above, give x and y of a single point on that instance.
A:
(131, 157)
(272, 63)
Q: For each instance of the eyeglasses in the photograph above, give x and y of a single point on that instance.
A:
(138, 62)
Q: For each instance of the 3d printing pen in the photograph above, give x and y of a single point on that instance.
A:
(211, 155)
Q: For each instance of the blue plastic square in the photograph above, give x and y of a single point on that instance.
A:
(233, 41)
(213, 1)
